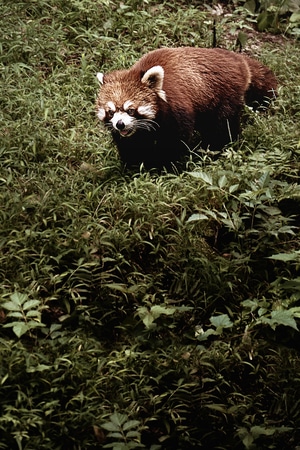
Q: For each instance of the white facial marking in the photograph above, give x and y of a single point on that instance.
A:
(146, 111)
(124, 117)
(111, 105)
(101, 113)
(127, 104)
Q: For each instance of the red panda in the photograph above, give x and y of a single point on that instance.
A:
(153, 108)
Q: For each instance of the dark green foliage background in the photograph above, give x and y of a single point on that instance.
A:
(155, 310)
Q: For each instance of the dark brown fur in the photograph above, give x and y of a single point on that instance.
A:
(200, 89)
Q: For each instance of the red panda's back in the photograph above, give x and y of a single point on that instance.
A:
(199, 78)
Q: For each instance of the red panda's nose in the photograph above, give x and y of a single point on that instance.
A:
(120, 125)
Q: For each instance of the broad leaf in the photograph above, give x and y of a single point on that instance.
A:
(11, 306)
(118, 418)
(18, 298)
(203, 176)
(284, 318)
(294, 256)
(221, 321)
(158, 310)
(130, 424)
(222, 181)
(31, 304)
(20, 328)
(109, 426)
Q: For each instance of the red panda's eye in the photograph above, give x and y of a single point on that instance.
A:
(131, 111)
(110, 113)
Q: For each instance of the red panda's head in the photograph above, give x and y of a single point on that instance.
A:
(128, 100)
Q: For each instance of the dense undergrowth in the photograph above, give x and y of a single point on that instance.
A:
(145, 310)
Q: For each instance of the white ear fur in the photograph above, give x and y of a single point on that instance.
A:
(154, 78)
(100, 77)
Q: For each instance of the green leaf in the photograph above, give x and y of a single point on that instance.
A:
(221, 321)
(195, 217)
(35, 324)
(18, 298)
(116, 446)
(296, 312)
(20, 328)
(133, 434)
(115, 434)
(118, 418)
(149, 316)
(33, 314)
(222, 181)
(233, 188)
(271, 210)
(38, 368)
(285, 257)
(130, 424)
(158, 310)
(30, 304)
(217, 407)
(295, 18)
(258, 431)
(146, 316)
(234, 222)
(205, 334)
(248, 440)
(11, 306)
(110, 426)
(250, 304)
(117, 287)
(284, 318)
(264, 180)
(202, 176)
(16, 314)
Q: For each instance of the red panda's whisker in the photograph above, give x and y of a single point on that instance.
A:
(109, 125)
(146, 124)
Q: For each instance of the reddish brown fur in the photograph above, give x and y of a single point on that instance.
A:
(205, 90)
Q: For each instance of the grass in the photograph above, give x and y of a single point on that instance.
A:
(140, 309)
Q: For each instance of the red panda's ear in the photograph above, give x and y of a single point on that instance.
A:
(154, 79)
(100, 77)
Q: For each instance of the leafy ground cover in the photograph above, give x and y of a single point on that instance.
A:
(156, 311)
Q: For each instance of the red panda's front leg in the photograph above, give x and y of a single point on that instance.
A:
(217, 132)
(157, 149)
